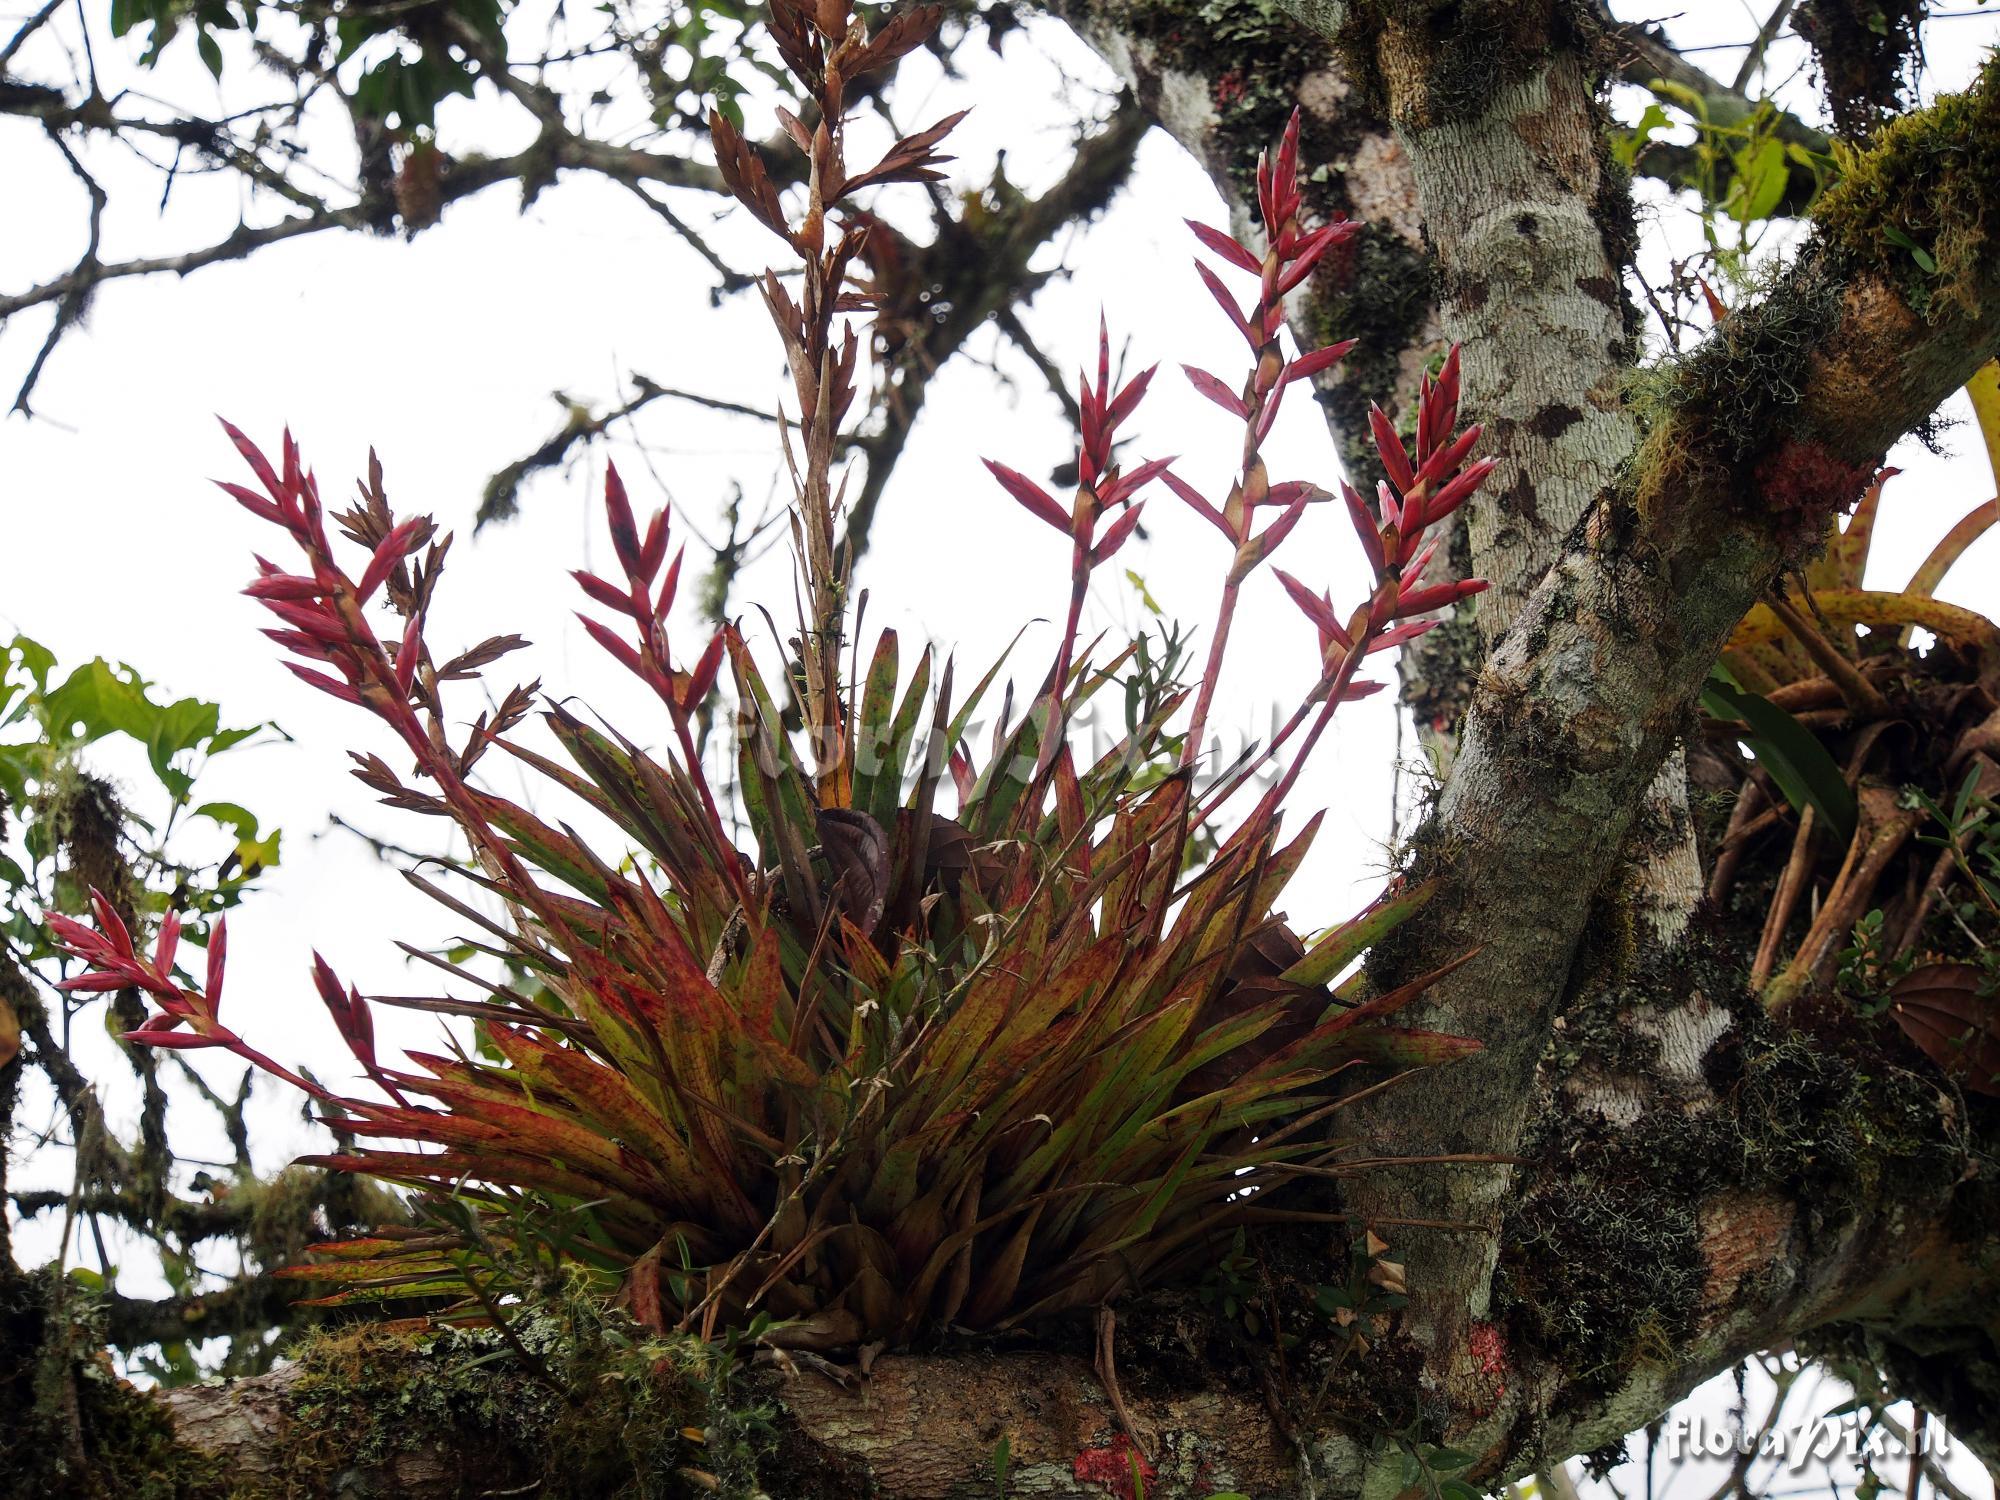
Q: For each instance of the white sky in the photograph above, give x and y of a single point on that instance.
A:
(442, 353)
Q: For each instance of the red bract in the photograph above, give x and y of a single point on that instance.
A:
(1101, 486)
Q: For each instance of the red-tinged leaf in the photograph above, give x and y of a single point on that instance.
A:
(608, 639)
(1952, 1013)
(393, 549)
(624, 526)
(1200, 506)
(1030, 494)
(1355, 691)
(253, 456)
(1228, 304)
(111, 924)
(1320, 360)
(1389, 447)
(1213, 388)
(1225, 246)
(1115, 536)
(218, 958)
(606, 594)
(1438, 596)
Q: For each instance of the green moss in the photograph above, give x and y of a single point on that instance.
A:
(1932, 176)
(610, 1414)
(75, 1428)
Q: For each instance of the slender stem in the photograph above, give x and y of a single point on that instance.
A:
(1224, 614)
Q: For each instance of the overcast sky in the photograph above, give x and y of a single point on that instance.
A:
(443, 353)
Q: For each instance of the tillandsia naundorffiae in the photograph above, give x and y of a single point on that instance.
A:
(958, 1043)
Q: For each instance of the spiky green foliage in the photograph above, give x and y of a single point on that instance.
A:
(961, 1043)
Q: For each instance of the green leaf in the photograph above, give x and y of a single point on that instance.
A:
(1924, 259)
(1761, 174)
(211, 52)
(1350, 940)
(1801, 766)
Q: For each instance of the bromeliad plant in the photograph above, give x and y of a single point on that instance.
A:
(964, 1053)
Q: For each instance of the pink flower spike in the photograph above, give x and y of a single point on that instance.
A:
(1308, 365)
(218, 957)
(1030, 494)
(1212, 387)
(1225, 246)
(1103, 358)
